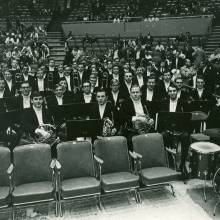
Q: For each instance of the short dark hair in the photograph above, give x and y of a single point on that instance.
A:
(135, 86)
(173, 86)
(101, 90)
(35, 94)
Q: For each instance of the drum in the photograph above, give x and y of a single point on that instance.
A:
(199, 116)
(204, 159)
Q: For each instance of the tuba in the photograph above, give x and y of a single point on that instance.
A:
(108, 128)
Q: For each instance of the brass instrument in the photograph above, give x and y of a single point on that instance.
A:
(142, 124)
(108, 128)
(50, 81)
(45, 133)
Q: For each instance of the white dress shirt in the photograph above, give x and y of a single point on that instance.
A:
(138, 107)
(102, 110)
(87, 98)
(9, 83)
(173, 105)
(2, 94)
(140, 80)
(59, 100)
(25, 77)
(166, 85)
(39, 115)
(200, 91)
(27, 101)
(68, 82)
(149, 96)
(40, 83)
(115, 96)
(128, 86)
(115, 76)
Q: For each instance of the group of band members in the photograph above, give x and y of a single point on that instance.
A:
(122, 94)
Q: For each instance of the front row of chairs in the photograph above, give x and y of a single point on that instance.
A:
(82, 170)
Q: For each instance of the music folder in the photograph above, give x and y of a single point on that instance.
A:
(9, 118)
(84, 128)
(70, 111)
(173, 121)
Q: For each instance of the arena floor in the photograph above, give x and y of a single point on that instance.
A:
(156, 204)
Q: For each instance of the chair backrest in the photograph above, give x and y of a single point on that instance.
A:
(114, 152)
(32, 163)
(4, 164)
(76, 159)
(151, 147)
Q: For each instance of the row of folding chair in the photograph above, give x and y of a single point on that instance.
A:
(79, 172)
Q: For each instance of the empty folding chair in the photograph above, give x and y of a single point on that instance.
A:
(76, 172)
(33, 175)
(152, 162)
(111, 153)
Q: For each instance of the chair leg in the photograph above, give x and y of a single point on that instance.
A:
(172, 189)
(98, 197)
(60, 209)
(136, 196)
(57, 206)
(12, 213)
(217, 203)
(139, 196)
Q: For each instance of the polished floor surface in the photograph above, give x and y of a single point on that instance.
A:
(188, 204)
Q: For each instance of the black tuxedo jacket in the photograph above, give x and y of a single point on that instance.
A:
(119, 100)
(29, 120)
(165, 106)
(30, 79)
(11, 92)
(135, 80)
(206, 95)
(52, 101)
(127, 111)
(156, 94)
(79, 98)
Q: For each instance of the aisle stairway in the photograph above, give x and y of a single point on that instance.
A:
(213, 40)
(57, 46)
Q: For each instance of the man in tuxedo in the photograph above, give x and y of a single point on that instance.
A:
(182, 94)
(3, 92)
(58, 98)
(40, 83)
(35, 116)
(59, 74)
(164, 84)
(173, 104)
(140, 79)
(25, 97)
(71, 85)
(127, 84)
(25, 76)
(85, 96)
(82, 74)
(102, 109)
(131, 111)
(10, 86)
(115, 75)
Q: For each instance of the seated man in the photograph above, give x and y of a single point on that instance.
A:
(35, 117)
(173, 104)
(135, 115)
(103, 110)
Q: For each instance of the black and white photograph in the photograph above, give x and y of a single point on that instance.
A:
(109, 109)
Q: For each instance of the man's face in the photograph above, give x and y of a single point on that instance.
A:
(14, 64)
(25, 70)
(109, 65)
(179, 83)
(151, 84)
(101, 98)
(86, 88)
(139, 71)
(93, 80)
(37, 101)
(51, 63)
(8, 76)
(128, 77)
(67, 71)
(25, 89)
(80, 68)
(59, 91)
(115, 70)
(115, 87)
(40, 74)
(63, 83)
(172, 93)
(167, 77)
(60, 68)
(135, 93)
(200, 83)
(2, 85)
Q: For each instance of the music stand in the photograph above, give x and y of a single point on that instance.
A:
(201, 105)
(70, 111)
(8, 119)
(84, 128)
(173, 121)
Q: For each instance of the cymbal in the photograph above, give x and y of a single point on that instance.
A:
(212, 132)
